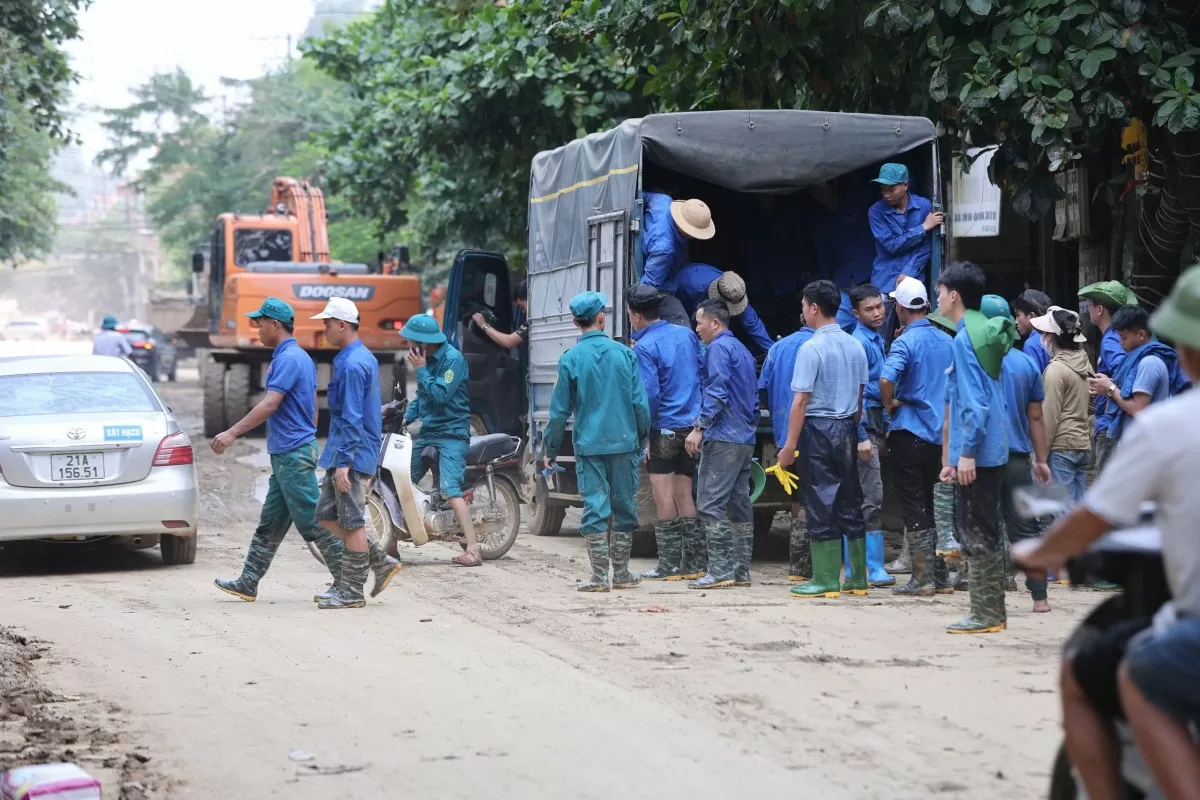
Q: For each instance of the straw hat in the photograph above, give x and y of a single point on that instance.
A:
(693, 218)
(730, 289)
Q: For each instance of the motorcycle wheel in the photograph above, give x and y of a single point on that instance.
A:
(377, 526)
(506, 506)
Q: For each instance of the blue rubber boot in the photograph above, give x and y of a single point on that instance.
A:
(876, 574)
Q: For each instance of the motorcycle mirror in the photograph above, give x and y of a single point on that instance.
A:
(197, 262)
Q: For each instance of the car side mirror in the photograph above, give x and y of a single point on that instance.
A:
(197, 262)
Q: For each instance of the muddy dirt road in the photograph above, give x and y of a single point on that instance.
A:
(504, 682)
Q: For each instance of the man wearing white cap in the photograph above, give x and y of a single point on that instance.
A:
(351, 452)
(667, 226)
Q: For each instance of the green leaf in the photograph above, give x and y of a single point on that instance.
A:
(1056, 121)
(1104, 54)
(1051, 24)
(1065, 95)
(683, 6)
(1191, 116)
(1090, 66)
(1181, 60)
(1165, 111)
(980, 8)
(1184, 79)
(1009, 86)
(1134, 10)
(1044, 45)
(1070, 12)
(978, 48)
(951, 7)
(1020, 28)
(1025, 74)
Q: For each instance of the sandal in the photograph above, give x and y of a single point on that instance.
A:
(467, 560)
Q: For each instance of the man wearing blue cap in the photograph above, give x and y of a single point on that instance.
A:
(109, 342)
(290, 413)
(599, 382)
(443, 405)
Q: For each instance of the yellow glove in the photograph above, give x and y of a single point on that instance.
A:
(786, 479)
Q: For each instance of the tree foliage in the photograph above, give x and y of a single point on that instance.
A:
(451, 101)
(34, 79)
(198, 165)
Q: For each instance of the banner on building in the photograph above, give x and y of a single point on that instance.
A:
(976, 200)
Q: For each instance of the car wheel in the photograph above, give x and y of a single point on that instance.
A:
(178, 550)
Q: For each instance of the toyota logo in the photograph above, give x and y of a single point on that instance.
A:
(76, 433)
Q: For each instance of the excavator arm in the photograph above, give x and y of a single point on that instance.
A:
(306, 203)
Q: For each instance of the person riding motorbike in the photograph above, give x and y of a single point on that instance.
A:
(109, 342)
(1147, 669)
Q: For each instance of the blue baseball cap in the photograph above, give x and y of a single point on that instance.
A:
(424, 329)
(109, 323)
(276, 309)
(585, 306)
(892, 174)
(993, 305)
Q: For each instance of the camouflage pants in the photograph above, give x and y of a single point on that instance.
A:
(945, 516)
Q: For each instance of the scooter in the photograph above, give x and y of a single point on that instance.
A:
(1132, 559)
(399, 511)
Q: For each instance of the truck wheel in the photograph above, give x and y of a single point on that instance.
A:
(213, 382)
(547, 518)
(237, 392)
(178, 550)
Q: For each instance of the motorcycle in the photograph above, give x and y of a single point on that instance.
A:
(400, 511)
(1132, 559)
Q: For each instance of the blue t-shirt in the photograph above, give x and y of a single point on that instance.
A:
(355, 411)
(1153, 379)
(1022, 383)
(832, 368)
(292, 374)
(916, 366)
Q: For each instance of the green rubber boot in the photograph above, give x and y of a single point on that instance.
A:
(743, 550)
(719, 536)
(799, 553)
(921, 582)
(620, 545)
(827, 567)
(856, 582)
(349, 591)
(695, 551)
(668, 535)
(597, 547)
(987, 597)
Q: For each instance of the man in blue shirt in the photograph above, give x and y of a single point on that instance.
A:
(443, 405)
(724, 434)
(1021, 381)
(110, 342)
(669, 362)
(351, 454)
(598, 383)
(775, 382)
(975, 440)
(667, 226)
(1032, 303)
(868, 309)
(1104, 299)
(1148, 374)
(699, 282)
(901, 223)
(912, 387)
(290, 411)
(831, 371)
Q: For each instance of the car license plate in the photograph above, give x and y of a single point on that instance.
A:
(77, 467)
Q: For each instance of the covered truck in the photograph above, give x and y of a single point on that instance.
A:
(755, 170)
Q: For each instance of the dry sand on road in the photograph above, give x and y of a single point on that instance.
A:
(504, 682)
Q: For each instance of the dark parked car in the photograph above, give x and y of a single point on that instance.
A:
(153, 351)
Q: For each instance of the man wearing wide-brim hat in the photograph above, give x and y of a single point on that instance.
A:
(667, 227)
(699, 282)
(1150, 674)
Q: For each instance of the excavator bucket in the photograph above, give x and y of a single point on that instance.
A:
(196, 330)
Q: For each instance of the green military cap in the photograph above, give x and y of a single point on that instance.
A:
(586, 305)
(276, 309)
(1110, 294)
(993, 305)
(1178, 319)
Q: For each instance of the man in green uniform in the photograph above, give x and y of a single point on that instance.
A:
(599, 383)
(443, 405)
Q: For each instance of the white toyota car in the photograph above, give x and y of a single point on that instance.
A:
(89, 451)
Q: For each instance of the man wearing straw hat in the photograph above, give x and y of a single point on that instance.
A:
(699, 282)
(668, 225)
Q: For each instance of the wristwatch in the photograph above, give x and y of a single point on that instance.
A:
(1112, 389)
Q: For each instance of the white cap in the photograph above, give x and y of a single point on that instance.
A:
(339, 308)
(910, 293)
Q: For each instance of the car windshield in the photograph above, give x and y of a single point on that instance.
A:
(74, 393)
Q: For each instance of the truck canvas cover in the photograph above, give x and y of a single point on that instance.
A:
(744, 151)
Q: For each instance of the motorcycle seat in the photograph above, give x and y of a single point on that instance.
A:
(488, 448)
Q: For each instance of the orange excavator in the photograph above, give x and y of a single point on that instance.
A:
(284, 253)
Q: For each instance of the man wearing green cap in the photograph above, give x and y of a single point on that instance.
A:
(600, 384)
(1156, 460)
(109, 342)
(1104, 298)
(1025, 428)
(443, 404)
(975, 442)
(289, 410)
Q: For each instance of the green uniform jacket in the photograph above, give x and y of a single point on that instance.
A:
(598, 382)
(443, 401)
